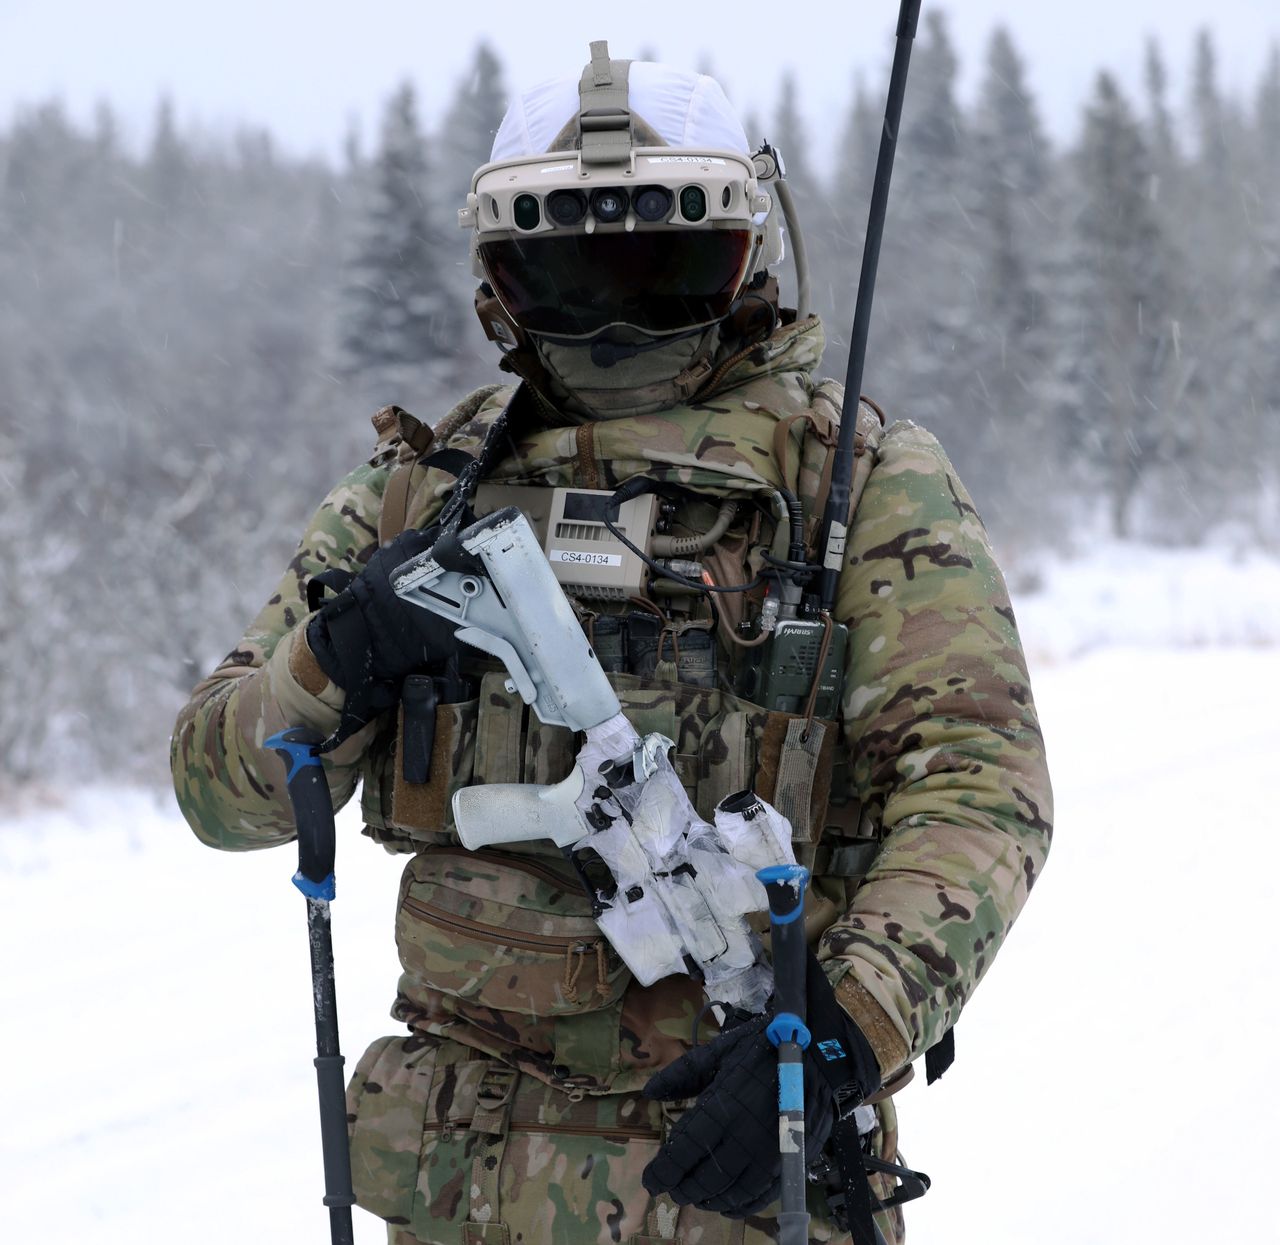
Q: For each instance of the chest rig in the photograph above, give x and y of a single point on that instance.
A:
(703, 482)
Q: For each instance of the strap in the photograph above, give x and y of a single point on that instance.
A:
(492, 1120)
(418, 700)
(782, 438)
(940, 1056)
(866, 441)
(394, 515)
(334, 580)
(797, 769)
(847, 860)
(660, 1222)
(604, 117)
(853, 1178)
(459, 504)
(450, 459)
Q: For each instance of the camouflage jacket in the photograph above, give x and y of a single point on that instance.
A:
(939, 745)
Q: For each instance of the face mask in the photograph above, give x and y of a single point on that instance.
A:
(654, 379)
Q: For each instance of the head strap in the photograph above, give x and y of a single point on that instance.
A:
(604, 118)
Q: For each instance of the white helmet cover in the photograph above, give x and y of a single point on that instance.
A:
(686, 109)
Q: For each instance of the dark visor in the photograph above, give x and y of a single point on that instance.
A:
(660, 281)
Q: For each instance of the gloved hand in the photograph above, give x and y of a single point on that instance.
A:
(366, 639)
(722, 1154)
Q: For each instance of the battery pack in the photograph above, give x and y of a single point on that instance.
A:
(589, 562)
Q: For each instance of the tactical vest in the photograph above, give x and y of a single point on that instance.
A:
(498, 948)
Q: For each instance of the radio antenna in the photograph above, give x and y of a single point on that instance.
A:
(835, 518)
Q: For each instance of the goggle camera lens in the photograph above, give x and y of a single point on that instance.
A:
(609, 205)
(653, 203)
(693, 203)
(526, 211)
(566, 207)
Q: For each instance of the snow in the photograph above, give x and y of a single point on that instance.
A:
(1112, 1077)
(1134, 594)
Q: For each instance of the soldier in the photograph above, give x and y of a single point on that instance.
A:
(626, 275)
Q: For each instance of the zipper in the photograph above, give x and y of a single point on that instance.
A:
(585, 445)
(519, 863)
(546, 943)
(608, 1134)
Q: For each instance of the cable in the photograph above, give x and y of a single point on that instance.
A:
(664, 573)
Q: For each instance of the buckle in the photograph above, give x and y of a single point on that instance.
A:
(605, 119)
(848, 1098)
(496, 1086)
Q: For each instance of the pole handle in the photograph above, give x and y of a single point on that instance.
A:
(785, 885)
(299, 749)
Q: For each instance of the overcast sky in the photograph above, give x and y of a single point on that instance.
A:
(304, 69)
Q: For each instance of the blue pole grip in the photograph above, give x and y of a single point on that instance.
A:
(785, 885)
(298, 747)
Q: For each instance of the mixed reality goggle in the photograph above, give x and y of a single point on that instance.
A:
(662, 241)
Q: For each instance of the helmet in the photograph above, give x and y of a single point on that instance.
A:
(623, 208)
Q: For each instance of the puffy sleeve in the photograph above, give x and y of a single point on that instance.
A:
(945, 750)
(232, 791)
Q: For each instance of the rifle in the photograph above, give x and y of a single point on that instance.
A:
(678, 887)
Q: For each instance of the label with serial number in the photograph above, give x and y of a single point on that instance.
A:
(581, 558)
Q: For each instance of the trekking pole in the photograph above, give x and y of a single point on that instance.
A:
(785, 886)
(297, 747)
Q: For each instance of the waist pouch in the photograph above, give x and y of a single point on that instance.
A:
(459, 1149)
(501, 951)
(504, 932)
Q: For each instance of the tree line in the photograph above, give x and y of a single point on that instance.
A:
(193, 335)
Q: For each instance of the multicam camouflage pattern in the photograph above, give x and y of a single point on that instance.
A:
(948, 761)
(938, 759)
(450, 1147)
(726, 444)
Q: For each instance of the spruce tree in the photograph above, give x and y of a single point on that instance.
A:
(1221, 225)
(1208, 110)
(1267, 122)
(856, 157)
(168, 168)
(1121, 345)
(470, 123)
(790, 136)
(1163, 143)
(1010, 340)
(854, 172)
(465, 143)
(1257, 320)
(932, 141)
(401, 324)
(922, 330)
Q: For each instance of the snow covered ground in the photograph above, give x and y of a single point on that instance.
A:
(1113, 1076)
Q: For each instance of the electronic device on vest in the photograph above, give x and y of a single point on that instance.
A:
(603, 550)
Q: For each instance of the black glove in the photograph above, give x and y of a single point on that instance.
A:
(366, 639)
(722, 1153)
